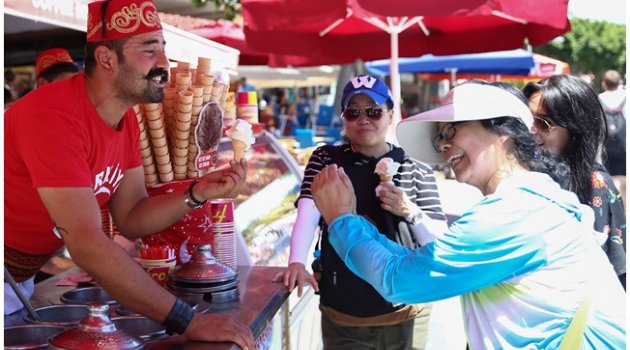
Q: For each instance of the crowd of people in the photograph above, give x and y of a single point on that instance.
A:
(539, 262)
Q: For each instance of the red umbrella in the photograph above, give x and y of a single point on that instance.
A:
(337, 31)
(231, 34)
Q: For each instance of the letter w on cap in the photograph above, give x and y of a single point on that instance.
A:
(366, 81)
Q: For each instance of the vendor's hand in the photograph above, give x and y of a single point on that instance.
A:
(225, 183)
(220, 328)
(333, 193)
(296, 274)
(395, 201)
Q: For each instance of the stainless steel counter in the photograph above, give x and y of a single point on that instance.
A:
(259, 301)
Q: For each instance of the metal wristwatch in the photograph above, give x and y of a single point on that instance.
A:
(415, 218)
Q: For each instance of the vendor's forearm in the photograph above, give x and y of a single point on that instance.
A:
(152, 215)
(122, 278)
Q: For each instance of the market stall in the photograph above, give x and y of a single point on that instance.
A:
(259, 303)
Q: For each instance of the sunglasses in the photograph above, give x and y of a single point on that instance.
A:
(543, 125)
(353, 113)
(445, 133)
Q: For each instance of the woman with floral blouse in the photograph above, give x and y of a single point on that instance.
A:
(570, 123)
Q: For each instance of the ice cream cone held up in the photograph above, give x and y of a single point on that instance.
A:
(386, 168)
(240, 132)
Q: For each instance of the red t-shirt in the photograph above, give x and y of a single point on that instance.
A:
(54, 137)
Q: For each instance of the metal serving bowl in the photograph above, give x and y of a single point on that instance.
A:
(29, 336)
(142, 327)
(59, 315)
(87, 296)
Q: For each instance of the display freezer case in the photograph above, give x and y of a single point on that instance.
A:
(264, 215)
(265, 211)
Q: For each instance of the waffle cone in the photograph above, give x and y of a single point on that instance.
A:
(386, 178)
(239, 148)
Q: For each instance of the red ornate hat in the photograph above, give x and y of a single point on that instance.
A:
(51, 57)
(122, 19)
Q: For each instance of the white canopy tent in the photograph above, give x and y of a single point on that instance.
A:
(263, 77)
(72, 14)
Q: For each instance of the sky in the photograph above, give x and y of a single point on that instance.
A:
(602, 10)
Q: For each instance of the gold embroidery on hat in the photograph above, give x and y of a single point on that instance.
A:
(128, 19)
(91, 28)
(50, 60)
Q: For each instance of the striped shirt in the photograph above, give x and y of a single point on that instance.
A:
(416, 179)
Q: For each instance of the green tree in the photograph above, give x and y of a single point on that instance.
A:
(229, 8)
(594, 46)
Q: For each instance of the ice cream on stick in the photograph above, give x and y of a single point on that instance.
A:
(240, 132)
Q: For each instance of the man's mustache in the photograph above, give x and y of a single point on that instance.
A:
(158, 72)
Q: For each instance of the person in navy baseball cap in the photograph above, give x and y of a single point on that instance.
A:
(366, 84)
(392, 199)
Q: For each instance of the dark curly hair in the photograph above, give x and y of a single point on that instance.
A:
(572, 104)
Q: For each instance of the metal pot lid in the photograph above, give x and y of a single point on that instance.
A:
(96, 331)
(203, 268)
(200, 288)
(87, 296)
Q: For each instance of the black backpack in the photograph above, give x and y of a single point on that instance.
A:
(616, 127)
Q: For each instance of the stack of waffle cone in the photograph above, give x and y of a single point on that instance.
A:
(193, 151)
(203, 65)
(193, 75)
(183, 66)
(206, 81)
(150, 171)
(168, 109)
(217, 91)
(182, 81)
(172, 73)
(181, 133)
(159, 144)
(167, 131)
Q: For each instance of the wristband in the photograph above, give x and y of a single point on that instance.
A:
(190, 199)
(179, 318)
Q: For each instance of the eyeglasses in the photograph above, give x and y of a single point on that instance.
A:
(353, 113)
(446, 133)
(543, 125)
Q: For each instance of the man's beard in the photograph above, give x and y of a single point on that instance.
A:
(140, 91)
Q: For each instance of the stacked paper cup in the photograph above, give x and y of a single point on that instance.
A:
(224, 246)
(247, 106)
